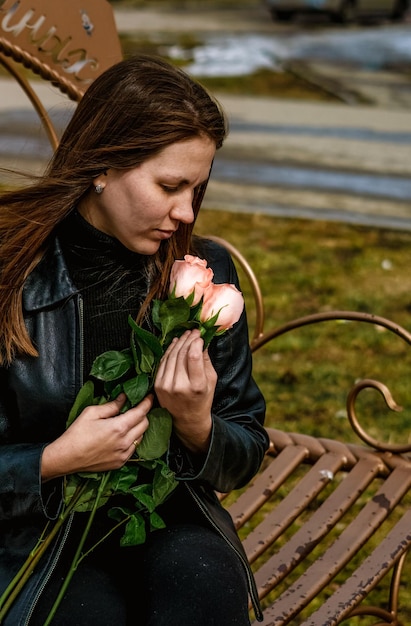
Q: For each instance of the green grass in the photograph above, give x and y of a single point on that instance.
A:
(307, 267)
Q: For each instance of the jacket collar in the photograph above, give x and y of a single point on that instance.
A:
(49, 282)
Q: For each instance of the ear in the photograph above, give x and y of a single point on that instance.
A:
(99, 182)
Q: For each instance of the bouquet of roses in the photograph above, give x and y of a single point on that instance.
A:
(194, 301)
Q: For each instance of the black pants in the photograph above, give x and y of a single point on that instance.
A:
(184, 575)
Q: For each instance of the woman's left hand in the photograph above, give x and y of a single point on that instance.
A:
(185, 386)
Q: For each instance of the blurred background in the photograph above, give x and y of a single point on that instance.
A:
(317, 92)
(332, 80)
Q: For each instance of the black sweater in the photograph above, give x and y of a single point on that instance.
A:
(112, 281)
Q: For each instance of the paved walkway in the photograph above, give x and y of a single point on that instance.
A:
(263, 130)
(328, 137)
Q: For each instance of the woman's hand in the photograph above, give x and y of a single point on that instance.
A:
(185, 385)
(100, 438)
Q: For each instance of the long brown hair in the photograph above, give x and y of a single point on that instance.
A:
(130, 113)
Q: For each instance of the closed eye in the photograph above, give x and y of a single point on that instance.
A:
(169, 189)
(179, 187)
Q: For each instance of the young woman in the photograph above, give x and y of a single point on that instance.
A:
(89, 243)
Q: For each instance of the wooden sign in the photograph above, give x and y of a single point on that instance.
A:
(75, 40)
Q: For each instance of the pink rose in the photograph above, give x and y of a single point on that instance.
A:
(224, 299)
(191, 276)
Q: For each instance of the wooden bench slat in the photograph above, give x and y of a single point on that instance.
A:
(299, 594)
(324, 517)
(266, 484)
(366, 577)
(341, 604)
(316, 446)
(292, 505)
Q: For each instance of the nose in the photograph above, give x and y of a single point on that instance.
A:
(182, 210)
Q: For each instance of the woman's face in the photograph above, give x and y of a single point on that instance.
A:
(145, 205)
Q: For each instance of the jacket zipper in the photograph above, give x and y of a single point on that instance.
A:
(51, 569)
(81, 333)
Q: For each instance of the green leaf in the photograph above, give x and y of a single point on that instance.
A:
(164, 482)
(124, 478)
(207, 334)
(88, 498)
(85, 397)
(155, 313)
(145, 358)
(142, 493)
(211, 322)
(147, 338)
(196, 310)
(148, 465)
(178, 331)
(119, 513)
(156, 438)
(136, 388)
(172, 313)
(112, 389)
(156, 522)
(135, 532)
(112, 365)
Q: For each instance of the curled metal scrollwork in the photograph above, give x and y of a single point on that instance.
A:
(315, 318)
(368, 383)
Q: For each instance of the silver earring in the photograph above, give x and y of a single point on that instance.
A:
(99, 188)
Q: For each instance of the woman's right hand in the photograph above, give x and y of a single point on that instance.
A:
(100, 439)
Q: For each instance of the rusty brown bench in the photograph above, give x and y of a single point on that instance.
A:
(314, 509)
(324, 522)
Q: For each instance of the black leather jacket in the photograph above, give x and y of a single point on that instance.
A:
(37, 393)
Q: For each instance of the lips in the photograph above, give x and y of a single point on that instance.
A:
(166, 234)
